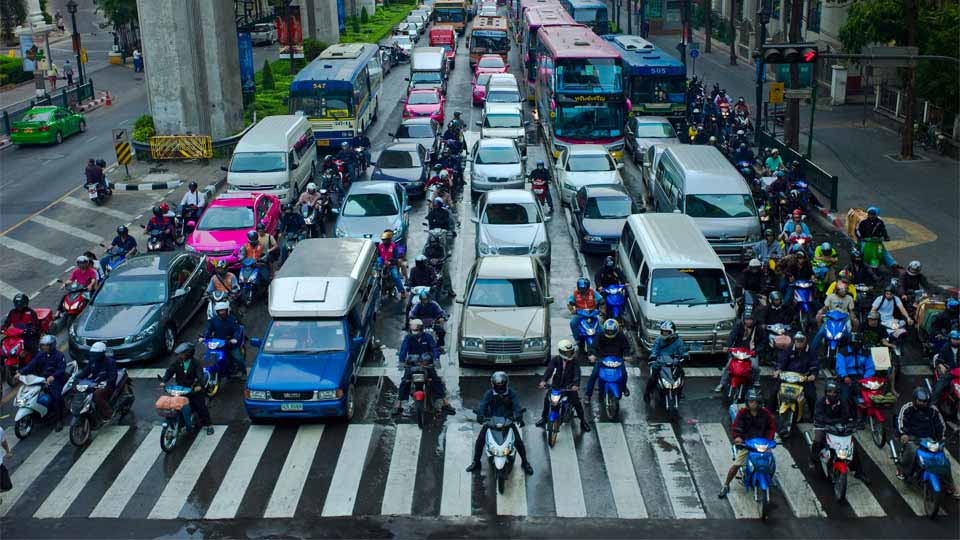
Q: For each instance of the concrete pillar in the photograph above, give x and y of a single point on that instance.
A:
(192, 66)
(320, 20)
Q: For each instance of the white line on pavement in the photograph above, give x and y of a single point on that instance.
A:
(342, 495)
(24, 475)
(456, 496)
(67, 229)
(513, 500)
(230, 493)
(133, 473)
(795, 487)
(289, 485)
(175, 495)
(402, 478)
(717, 445)
(565, 470)
(623, 480)
(145, 373)
(8, 291)
(681, 490)
(31, 251)
(73, 201)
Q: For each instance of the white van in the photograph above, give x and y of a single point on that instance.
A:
(277, 156)
(673, 274)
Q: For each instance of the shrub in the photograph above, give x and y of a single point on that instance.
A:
(312, 48)
(11, 71)
(363, 15)
(143, 128)
(267, 73)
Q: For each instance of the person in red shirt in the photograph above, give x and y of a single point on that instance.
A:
(392, 256)
(753, 421)
(24, 318)
(162, 222)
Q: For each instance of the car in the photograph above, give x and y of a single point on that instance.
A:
(263, 33)
(504, 120)
(422, 131)
(505, 318)
(370, 208)
(403, 41)
(491, 63)
(511, 222)
(424, 102)
(497, 164)
(502, 94)
(583, 164)
(141, 306)
(503, 79)
(599, 212)
(417, 22)
(46, 125)
(405, 163)
(643, 131)
(409, 30)
(223, 227)
(480, 87)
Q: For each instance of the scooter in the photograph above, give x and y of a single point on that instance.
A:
(670, 381)
(933, 467)
(869, 401)
(85, 416)
(178, 418)
(836, 456)
(217, 363)
(741, 374)
(388, 288)
(803, 300)
(311, 217)
(615, 299)
(97, 194)
(15, 354)
(761, 466)
(33, 402)
(836, 327)
(949, 402)
(791, 402)
(71, 305)
(540, 187)
(501, 450)
(215, 297)
(155, 241)
(873, 251)
(250, 280)
(425, 405)
(895, 334)
(587, 327)
(559, 412)
(114, 258)
(184, 222)
(611, 378)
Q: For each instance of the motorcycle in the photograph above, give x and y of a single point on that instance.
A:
(290, 241)
(425, 405)
(96, 193)
(741, 374)
(33, 402)
(803, 302)
(250, 280)
(114, 258)
(615, 298)
(15, 354)
(587, 327)
(178, 418)
(559, 412)
(869, 401)
(71, 305)
(836, 327)
(85, 415)
(791, 402)
(758, 473)
(500, 447)
(611, 378)
(156, 241)
(670, 383)
(388, 287)
(540, 188)
(217, 363)
(184, 222)
(836, 456)
(933, 467)
(873, 251)
(949, 403)
(778, 337)
(895, 334)
(215, 297)
(820, 271)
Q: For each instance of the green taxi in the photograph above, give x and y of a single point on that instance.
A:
(45, 125)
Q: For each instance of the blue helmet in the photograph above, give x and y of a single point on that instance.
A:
(953, 304)
(583, 284)
(955, 334)
(873, 211)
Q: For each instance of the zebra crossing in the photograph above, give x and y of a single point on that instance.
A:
(189, 488)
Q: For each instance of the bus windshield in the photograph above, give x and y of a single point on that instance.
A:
(589, 74)
(589, 121)
(489, 40)
(450, 14)
(332, 103)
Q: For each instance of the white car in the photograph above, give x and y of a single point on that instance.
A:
(497, 164)
(504, 120)
(511, 222)
(583, 165)
(263, 33)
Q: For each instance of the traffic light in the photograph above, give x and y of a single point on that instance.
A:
(790, 53)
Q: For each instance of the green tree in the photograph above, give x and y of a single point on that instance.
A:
(46, 15)
(355, 25)
(267, 71)
(363, 15)
(312, 48)
(118, 12)
(12, 14)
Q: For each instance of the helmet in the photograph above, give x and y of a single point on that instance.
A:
(438, 201)
(775, 151)
(890, 289)
(387, 235)
(185, 347)
(566, 348)
(164, 207)
(609, 262)
(920, 394)
(499, 381)
(873, 316)
(286, 207)
(261, 227)
(444, 174)
(799, 336)
(776, 295)
(122, 229)
(192, 185)
(424, 295)
(416, 325)
(768, 232)
(98, 347)
(713, 139)
(954, 334)
(795, 164)
(669, 327)
(50, 340)
(583, 284)
(795, 194)
(311, 187)
(779, 174)
(743, 146)
(222, 306)
(611, 328)
(953, 304)
(856, 255)
(741, 133)
(832, 387)
(21, 301)
(344, 144)
(456, 114)
(740, 99)
(156, 211)
(797, 213)
(845, 275)
(82, 259)
(873, 211)
(252, 237)
(826, 247)
(540, 164)
(220, 265)
(914, 268)
(696, 111)
(753, 394)
(421, 258)
(754, 263)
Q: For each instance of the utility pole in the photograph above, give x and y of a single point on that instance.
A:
(792, 128)
(763, 17)
(684, 24)
(906, 144)
(643, 19)
(707, 24)
(630, 16)
(733, 33)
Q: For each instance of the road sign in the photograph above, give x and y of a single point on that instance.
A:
(124, 154)
(776, 93)
(694, 53)
(890, 51)
(120, 135)
(798, 93)
(83, 55)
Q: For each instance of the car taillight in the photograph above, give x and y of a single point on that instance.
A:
(14, 130)
(44, 128)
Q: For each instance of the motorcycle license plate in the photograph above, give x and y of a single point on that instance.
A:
(502, 359)
(92, 194)
(291, 407)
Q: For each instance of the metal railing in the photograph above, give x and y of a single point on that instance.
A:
(824, 182)
(67, 98)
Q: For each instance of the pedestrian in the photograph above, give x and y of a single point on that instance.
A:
(52, 76)
(137, 61)
(5, 484)
(68, 72)
(60, 25)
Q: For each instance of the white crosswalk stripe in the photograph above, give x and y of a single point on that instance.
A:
(803, 501)
(681, 489)
(565, 470)
(456, 498)
(175, 494)
(402, 478)
(342, 495)
(286, 492)
(101, 209)
(31, 251)
(623, 480)
(717, 445)
(67, 229)
(111, 505)
(227, 501)
(36, 463)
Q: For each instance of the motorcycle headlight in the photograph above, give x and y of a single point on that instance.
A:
(474, 343)
(843, 453)
(19, 402)
(933, 446)
(328, 395)
(725, 325)
(257, 394)
(535, 343)
(543, 248)
(147, 332)
(191, 248)
(555, 398)
(760, 448)
(518, 178)
(81, 388)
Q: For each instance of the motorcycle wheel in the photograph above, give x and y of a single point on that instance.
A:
(931, 501)
(213, 389)
(786, 424)
(420, 413)
(878, 432)
(763, 499)
(839, 485)
(24, 427)
(553, 429)
(248, 296)
(611, 407)
(80, 431)
(168, 437)
(501, 481)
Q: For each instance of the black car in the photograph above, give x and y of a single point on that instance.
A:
(599, 212)
(142, 306)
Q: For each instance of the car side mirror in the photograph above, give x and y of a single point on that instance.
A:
(523, 159)
(620, 166)
(547, 218)
(475, 219)
(335, 210)
(391, 134)
(357, 342)
(406, 79)
(255, 342)
(478, 123)
(459, 300)
(641, 290)
(408, 209)
(179, 293)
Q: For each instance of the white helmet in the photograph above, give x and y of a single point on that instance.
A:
(566, 348)
(755, 263)
(98, 347)
(444, 174)
(311, 187)
(221, 306)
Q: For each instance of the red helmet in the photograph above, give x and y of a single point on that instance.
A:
(797, 213)
(164, 207)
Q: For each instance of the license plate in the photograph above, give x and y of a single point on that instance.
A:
(292, 407)
(323, 142)
(28, 130)
(92, 194)
(696, 347)
(502, 359)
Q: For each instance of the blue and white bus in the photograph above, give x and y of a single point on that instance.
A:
(655, 81)
(339, 91)
(592, 13)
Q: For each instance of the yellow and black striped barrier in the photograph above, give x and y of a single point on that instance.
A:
(181, 147)
(124, 153)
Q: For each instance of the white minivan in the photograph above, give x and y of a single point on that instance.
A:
(277, 156)
(673, 274)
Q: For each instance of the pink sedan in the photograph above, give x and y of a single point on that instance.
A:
(480, 88)
(491, 63)
(223, 228)
(424, 102)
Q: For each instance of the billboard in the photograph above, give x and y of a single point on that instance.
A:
(290, 33)
(245, 46)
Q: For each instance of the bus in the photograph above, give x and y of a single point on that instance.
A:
(452, 12)
(592, 13)
(655, 81)
(521, 6)
(489, 36)
(579, 89)
(535, 18)
(339, 92)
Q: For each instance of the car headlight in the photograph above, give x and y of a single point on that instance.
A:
(285, 185)
(725, 325)
(616, 147)
(653, 324)
(328, 395)
(589, 238)
(479, 177)
(191, 248)
(569, 186)
(474, 343)
(149, 331)
(543, 248)
(518, 178)
(535, 343)
(257, 394)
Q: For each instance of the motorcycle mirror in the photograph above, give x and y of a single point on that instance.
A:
(408, 209)
(255, 342)
(547, 218)
(335, 210)
(181, 292)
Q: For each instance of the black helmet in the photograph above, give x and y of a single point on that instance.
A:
(499, 381)
(21, 301)
(456, 114)
(192, 185)
(776, 295)
(252, 237)
(156, 211)
(832, 386)
(920, 395)
(261, 227)
(185, 347)
(122, 229)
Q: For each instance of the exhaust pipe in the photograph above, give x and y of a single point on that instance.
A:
(806, 435)
(893, 451)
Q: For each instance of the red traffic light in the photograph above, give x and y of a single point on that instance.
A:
(809, 56)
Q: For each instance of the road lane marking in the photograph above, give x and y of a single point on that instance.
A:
(622, 476)
(717, 445)
(513, 500)
(861, 501)
(565, 470)
(881, 458)
(67, 229)
(175, 494)
(681, 490)
(31, 251)
(455, 499)
(129, 479)
(342, 495)
(8, 291)
(402, 478)
(70, 486)
(145, 373)
(72, 201)
(36, 464)
(916, 234)
(230, 493)
(795, 488)
(289, 485)
(62, 198)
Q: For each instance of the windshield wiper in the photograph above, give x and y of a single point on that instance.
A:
(674, 301)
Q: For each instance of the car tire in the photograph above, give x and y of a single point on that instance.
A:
(83, 126)
(169, 339)
(59, 138)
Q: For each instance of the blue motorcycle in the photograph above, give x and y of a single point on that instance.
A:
(251, 279)
(611, 378)
(217, 363)
(836, 328)
(759, 470)
(933, 468)
(615, 299)
(178, 418)
(560, 412)
(803, 301)
(588, 327)
(114, 257)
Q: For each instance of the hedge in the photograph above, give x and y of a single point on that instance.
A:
(11, 71)
(379, 25)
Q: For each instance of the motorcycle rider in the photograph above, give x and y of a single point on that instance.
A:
(947, 320)
(741, 106)
(101, 368)
(611, 342)
(439, 218)
(500, 401)
(124, 242)
(793, 267)
(827, 255)
(872, 226)
(743, 153)
(853, 364)
(290, 223)
(844, 281)
(428, 308)
(269, 243)
(744, 335)
(754, 283)
(563, 373)
(22, 316)
(542, 174)
(608, 274)
(775, 312)
(884, 305)
(310, 198)
(163, 223)
(911, 281)
(859, 272)
(774, 162)
(94, 174)
(227, 328)
(362, 141)
(667, 344)
(839, 300)
(350, 160)
(457, 123)
(803, 359)
(256, 250)
(583, 298)
(422, 274)
(223, 280)
(50, 364)
(193, 200)
(390, 255)
(84, 274)
(830, 410)
(752, 422)
(918, 420)
(768, 248)
(188, 373)
(946, 359)
(795, 225)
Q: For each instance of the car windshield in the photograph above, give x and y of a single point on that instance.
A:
(369, 205)
(497, 155)
(503, 95)
(401, 40)
(426, 77)
(482, 79)
(607, 208)
(655, 131)
(720, 206)
(689, 286)
(505, 293)
(118, 291)
(225, 218)
(415, 131)
(590, 163)
(257, 162)
(502, 121)
(511, 214)
(589, 74)
(423, 98)
(304, 337)
(491, 62)
(398, 159)
(37, 116)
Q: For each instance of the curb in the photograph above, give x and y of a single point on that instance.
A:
(5, 142)
(95, 103)
(173, 184)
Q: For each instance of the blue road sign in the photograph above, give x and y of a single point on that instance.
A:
(694, 53)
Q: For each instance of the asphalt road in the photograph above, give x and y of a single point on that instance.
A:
(382, 477)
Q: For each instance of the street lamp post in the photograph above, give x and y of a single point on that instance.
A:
(763, 17)
(72, 9)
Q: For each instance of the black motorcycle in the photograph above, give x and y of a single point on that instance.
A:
(84, 410)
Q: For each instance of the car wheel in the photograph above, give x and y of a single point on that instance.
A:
(59, 138)
(83, 126)
(169, 339)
